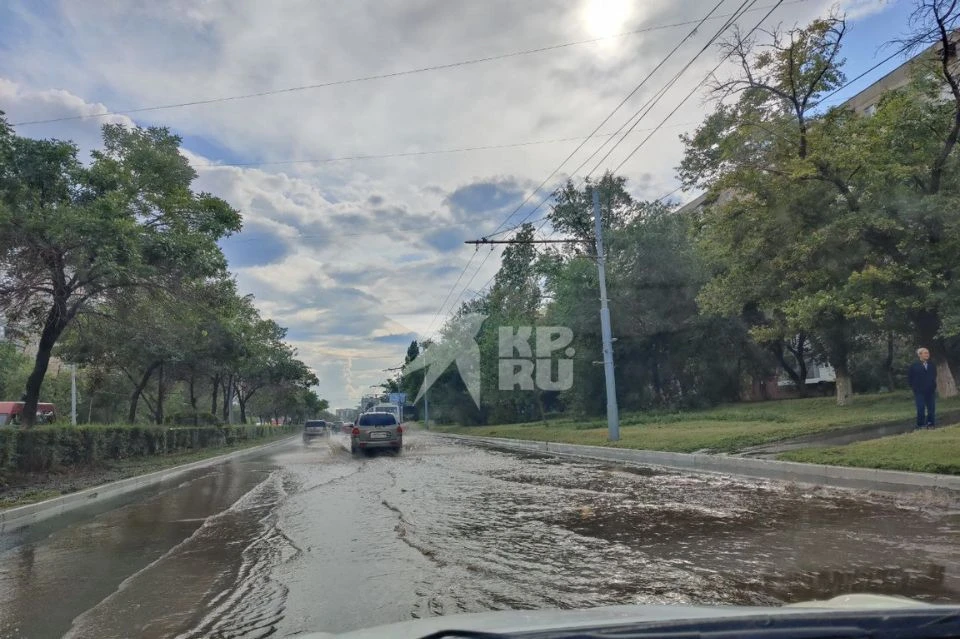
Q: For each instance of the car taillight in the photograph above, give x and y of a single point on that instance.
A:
(399, 430)
(356, 432)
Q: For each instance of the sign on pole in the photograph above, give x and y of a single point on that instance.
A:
(398, 398)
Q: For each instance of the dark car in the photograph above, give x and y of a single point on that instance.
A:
(376, 430)
(314, 428)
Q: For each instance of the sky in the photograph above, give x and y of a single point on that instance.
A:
(357, 256)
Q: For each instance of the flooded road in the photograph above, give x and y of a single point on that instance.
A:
(309, 538)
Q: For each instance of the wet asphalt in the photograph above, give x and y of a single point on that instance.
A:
(309, 538)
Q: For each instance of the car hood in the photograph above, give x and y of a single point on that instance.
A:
(526, 621)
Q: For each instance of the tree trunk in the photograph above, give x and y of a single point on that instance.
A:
(243, 408)
(888, 363)
(655, 373)
(844, 388)
(191, 389)
(799, 353)
(213, 395)
(928, 325)
(52, 328)
(844, 383)
(138, 391)
(159, 409)
(227, 397)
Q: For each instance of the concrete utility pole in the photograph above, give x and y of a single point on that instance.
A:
(613, 413)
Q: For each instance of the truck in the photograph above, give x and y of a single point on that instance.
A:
(10, 413)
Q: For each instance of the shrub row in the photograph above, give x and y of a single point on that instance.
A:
(46, 448)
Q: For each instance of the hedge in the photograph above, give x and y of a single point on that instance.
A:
(46, 448)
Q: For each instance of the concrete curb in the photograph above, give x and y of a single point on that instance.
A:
(19, 516)
(817, 474)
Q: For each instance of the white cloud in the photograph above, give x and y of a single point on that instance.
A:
(368, 248)
(858, 9)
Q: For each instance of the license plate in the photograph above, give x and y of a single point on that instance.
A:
(379, 435)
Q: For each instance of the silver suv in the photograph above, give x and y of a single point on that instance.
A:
(376, 430)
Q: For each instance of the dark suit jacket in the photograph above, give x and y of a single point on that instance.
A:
(922, 381)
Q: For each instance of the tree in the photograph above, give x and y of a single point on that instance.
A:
(572, 210)
(70, 234)
(784, 232)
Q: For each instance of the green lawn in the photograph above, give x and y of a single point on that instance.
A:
(928, 451)
(723, 429)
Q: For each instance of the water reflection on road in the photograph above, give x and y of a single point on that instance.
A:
(324, 541)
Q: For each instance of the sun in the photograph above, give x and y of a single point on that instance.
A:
(604, 18)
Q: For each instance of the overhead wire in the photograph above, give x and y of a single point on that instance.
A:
(742, 9)
(633, 92)
(649, 104)
(626, 99)
(367, 78)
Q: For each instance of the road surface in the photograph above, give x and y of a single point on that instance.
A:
(308, 538)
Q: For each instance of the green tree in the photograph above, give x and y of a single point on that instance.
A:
(782, 234)
(71, 234)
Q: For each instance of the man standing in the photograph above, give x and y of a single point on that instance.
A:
(923, 380)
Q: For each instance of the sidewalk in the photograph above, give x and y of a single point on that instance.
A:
(842, 437)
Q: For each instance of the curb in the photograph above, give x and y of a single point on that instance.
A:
(20, 516)
(816, 474)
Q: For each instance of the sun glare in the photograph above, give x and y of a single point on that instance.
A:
(605, 18)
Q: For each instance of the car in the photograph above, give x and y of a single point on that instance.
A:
(376, 431)
(314, 428)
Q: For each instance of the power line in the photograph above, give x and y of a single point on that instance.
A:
(688, 96)
(609, 116)
(405, 154)
(584, 141)
(450, 292)
(475, 273)
(367, 78)
(655, 129)
(741, 10)
(654, 101)
(684, 100)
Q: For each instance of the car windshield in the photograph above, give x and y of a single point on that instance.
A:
(377, 419)
(316, 315)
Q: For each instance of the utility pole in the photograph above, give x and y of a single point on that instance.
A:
(613, 413)
(426, 410)
(73, 395)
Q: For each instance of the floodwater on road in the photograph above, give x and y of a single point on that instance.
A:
(309, 538)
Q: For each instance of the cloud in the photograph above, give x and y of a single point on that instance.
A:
(484, 197)
(349, 253)
(258, 245)
(399, 339)
(859, 9)
(445, 240)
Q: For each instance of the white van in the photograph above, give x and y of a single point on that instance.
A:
(393, 409)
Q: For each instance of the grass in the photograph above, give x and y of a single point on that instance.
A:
(926, 451)
(726, 428)
(34, 487)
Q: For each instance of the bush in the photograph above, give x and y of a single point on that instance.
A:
(193, 418)
(47, 448)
